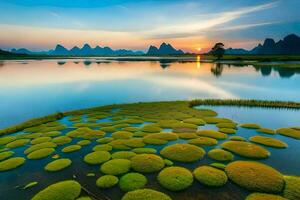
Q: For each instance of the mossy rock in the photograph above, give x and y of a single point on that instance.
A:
(116, 167)
(7, 139)
(210, 176)
(220, 155)
(84, 142)
(227, 125)
(41, 140)
(250, 126)
(145, 194)
(197, 121)
(132, 181)
(121, 135)
(134, 143)
(264, 196)
(119, 144)
(266, 131)
(66, 190)
(144, 150)
(102, 147)
(237, 138)
(151, 128)
(187, 136)
(221, 166)
(107, 181)
(227, 130)
(183, 152)
(246, 149)
(71, 148)
(123, 155)
(6, 154)
(105, 140)
(17, 143)
(147, 163)
(267, 141)
(175, 178)
(61, 140)
(203, 141)
(97, 157)
(289, 132)
(11, 163)
(41, 153)
(212, 134)
(40, 146)
(292, 187)
(255, 176)
(58, 165)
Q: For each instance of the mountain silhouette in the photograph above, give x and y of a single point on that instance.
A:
(164, 49)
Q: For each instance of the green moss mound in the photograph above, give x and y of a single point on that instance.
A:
(197, 121)
(97, 157)
(237, 138)
(65, 190)
(255, 176)
(147, 163)
(226, 125)
(7, 139)
(168, 162)
(151, 128)
(41, 153)
(227, 130)
(17, 143)
(102, 147)
(61, 140)
(6, 154)
(218, 165)
(266, 131)
(52, 134)
(267, 141)
(154, 141)
(71, 148)
(145, 194)
(116, 167)
(119, 144)
(123, 155)
(105, 140)
(250, 126)
(107, 181)
(84, 142)
(187, 136)
(246, 149)
(132, 181)
(289, 132)
(210, 176)
(121, 135)
(212, 134)
(40, 146)
(163, 136)
(144, 150)
(58, 165)
(183, 152)
(203, 141)
(264, 196)
(11, 163)
(134, 143)
(220, 155)
(30, 185)
(41, 140)
(216, 120)
(292, 187)
(175, 178)
(84, 198)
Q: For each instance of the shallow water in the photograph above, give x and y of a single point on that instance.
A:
(35, 88)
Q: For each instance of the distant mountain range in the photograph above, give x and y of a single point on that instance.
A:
(288, 45)
(164, 49)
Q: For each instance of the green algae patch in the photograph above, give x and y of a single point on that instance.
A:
(289, 132)
(267, 141)
(212, 134)
(41, 140)
(121, 135)
(97, 157)
(134, 142)
(220, 155)
(58, 165)
(144, 150)
(292, 187)
(197, 121)
(255, 176)
(221, 166)
(116, 167)
(105, 140)
(71, 148)
(102, 147)
(17, 143)
(7, 139)
(183, 152)
(61, 140)
(132, 181)
(107, 181)
(264, 196)
(84, 142)
(66, 190)
(145, 194)
(123, 155)
(246, 149)
(237, 138)
(147, 163)
(187, 136)
(175, 178)
(11, 163)
(210, 176)
(6, 154)
(203, 141)
(250, 126)
(151, 128)
(266, 131)
(227, 130)
(41, 153)
(40, 146)
(30, 185)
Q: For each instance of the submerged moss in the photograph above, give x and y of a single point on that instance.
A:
(71, 148)
(123, 155)
(116, 167)
(58, 165)
(11, 163)
(212, 134)
(144, 150)
(183, 152)
(289, 132)
(250, 126)
(145, 194)
(267, 141)
(203, 141)
(107, 181)
(266, 131)
(6, 154)
(292, 187)
(210, 176)
(264, 196)
(97, 157)
(147, 163)
(132, 181)
(175, 178)
(220, 155)
(41, 153)
(17, 143)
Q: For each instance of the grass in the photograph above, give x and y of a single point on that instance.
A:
(71, 148)
(121, 135)
(267, 141)
(147, 163)
(116, 167)
(246, 149)
(289, 132)
(58, 165)
(255, 176)
(6, 154)
(212, 134)
(144, 150)
(292, 187)
(264, 196)
(250, 126)
(107, 181)
(123, 155)
(183, 152)
(41, 153)
(203, 141)
(210, 176)
(17, 143)
(40, 146)
(67, 190)
(220, 155)
(97, 157)
(132, 181)
(175, 178)
(266, 131)
(11, 163)
(102, 147)
(145, 194)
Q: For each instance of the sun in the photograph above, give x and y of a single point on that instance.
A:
(199, 49)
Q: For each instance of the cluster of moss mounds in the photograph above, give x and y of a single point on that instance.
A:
(145, 194)
(41, 153)
(67, 190)
(292, 187)
(123, 155)
(107, 181)
(183, 152)
(250, 126)
(203, 141)
(212, 134)
(290, 132)
(71, 148)
(220, 155)
(210, 176)
(116, 166)
(97, 157)
(58, 165)
(132, 181)
(264, 196)
(11, 163)
(246, 149)
(267, 141)
(175, 178)
(147, 163)
(255, 176)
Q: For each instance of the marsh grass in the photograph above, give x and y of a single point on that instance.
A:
(203, 141)
(212, 134)
(123, 155)
(6, 154)
(102, 147)
(264, 196)
(144, 150)
(71, 148)
(17, 143)
(266, 131)
(40, 146)
(292, 187)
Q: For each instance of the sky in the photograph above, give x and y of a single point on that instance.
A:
(136, 24)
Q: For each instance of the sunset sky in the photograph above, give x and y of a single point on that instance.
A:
(135, 24)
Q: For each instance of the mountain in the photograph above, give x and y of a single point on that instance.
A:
(164, 49)
(7, 53)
